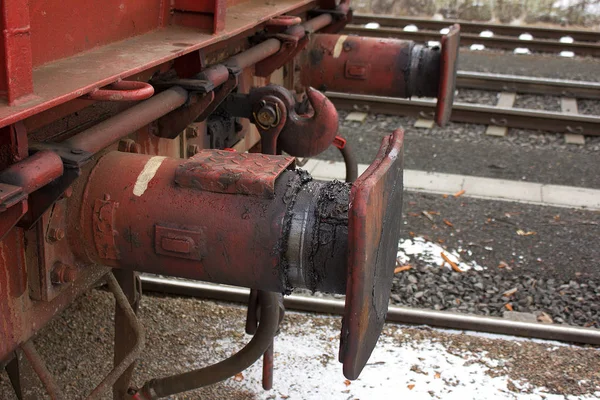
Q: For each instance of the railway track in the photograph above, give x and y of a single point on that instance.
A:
(503, 115)
(405, 315)
(507, 37)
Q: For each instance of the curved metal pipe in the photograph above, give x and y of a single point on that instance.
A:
(405, 315)
(351, 163)
(267, 328)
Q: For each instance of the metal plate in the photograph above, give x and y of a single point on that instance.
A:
(223, 171)
(449, 64)
(373, 234)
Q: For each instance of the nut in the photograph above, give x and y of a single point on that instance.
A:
(56, 234)
(62, 273)
(268, 115)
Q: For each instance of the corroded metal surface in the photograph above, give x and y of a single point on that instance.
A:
(373, 233)
(232, 172)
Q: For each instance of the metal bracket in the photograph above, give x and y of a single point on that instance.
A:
(290, 47)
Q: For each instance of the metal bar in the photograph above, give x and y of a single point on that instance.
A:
(442, 319)
(248, 355)
(134, 351)
(528, 84)
(109, 131)
(467, 39)
(39, 366)
(477, 27)
(34, 172)
(473, 113)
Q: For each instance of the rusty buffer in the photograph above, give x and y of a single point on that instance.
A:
(382, 67)
(278, 229)
(156, 214)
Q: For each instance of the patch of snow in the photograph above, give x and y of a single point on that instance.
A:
(525, 36)
(444, 31)
(372, 25)
(566, 39)
(477, 47)
(429, 252)
(522, 50)
(411, 28)
(486, 33)
(306, 368)
(566, 53)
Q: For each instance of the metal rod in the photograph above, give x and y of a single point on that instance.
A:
(39, 366)
(442, 319)
(528, 84)
(261, 341)
(350, 162)
(474, 113)
(478, 27)
(137, 330)
(109, 131)
(467, 39)
(34, 172)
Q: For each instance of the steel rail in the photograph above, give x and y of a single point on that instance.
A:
(442, 319)
(528, 84)
(467, 39)
(473, 113)
(541, 32)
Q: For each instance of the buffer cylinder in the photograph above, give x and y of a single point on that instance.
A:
(374, 66)
(225, 217)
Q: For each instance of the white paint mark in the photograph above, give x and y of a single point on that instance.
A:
(339, 46)
(141, 184)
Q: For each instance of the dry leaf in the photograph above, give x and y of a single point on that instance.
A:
(450, 224)
(452, 263)
(509, 292)
(521, 232)
(347, 382)
(545, 318)
(411, 234)
(434, 212)
(445, 196)
(508, 306)
(441, 241)
(238, 377)
(437, 375)
(459, 193)
(502, 264)
(429, 217)
(411, 386)
(402, 268)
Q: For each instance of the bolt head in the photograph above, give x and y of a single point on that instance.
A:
(56, 234)
(267, 116)
(62, 273)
